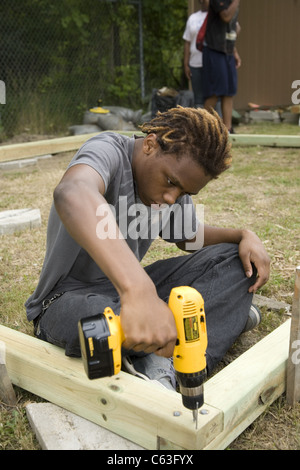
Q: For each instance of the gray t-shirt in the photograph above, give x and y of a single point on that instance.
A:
(67, 266)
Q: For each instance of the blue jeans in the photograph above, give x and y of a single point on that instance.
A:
(215, 271)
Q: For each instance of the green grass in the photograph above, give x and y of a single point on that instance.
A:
(269, 128)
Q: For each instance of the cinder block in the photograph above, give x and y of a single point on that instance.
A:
(264, 115)
(19, 219)
(23, 162)
(16, 164)
(58, 429)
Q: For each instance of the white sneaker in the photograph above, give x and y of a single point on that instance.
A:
(155, 368)
(254, 318)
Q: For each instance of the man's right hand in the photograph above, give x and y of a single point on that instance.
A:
(147, 322)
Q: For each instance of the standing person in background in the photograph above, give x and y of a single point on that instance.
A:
(192, 57)
(220, 57)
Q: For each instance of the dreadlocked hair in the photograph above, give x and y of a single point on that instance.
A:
(197, 133)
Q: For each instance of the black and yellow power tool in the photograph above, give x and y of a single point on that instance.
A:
(101, 338)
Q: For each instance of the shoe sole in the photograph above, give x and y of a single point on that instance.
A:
(131, 370)
(255, 319)
(257, 315)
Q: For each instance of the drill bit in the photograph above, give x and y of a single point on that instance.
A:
(195, 415)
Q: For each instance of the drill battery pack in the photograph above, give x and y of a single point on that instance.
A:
(100, 338)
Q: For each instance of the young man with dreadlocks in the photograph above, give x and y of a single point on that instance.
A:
(116, 196)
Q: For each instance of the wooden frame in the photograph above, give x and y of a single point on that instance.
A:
(144, 413)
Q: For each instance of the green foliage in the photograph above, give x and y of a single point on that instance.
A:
(57, 58)
(124, 89)
(163, 29)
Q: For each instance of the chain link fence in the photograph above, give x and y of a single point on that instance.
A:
(58, 59)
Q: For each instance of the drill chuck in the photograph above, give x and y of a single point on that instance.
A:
(191, 388)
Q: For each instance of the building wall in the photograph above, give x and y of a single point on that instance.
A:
(269, 48)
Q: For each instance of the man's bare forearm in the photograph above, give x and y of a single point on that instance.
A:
(215, 235)
(229, 13)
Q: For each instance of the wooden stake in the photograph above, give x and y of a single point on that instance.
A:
(7, 394)
(293, 372)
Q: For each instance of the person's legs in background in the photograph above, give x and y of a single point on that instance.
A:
(196, 80)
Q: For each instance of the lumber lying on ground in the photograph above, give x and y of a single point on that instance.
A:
(151, 416)
(248, 140)
(66, 144)
(45, 147)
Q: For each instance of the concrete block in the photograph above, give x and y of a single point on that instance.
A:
(24, 162)
(19, 219)
(291, 118)
(58, 429)
(264, 115)
(16, 164)
(271, 304)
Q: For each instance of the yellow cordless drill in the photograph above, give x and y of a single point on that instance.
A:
(101, 338)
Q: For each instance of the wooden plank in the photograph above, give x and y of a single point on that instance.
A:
(293, 372)
(44, 147)
(7, 394)
(289, 141)
(66, 144)
(246, 387)
(133, 408)
(41, 147)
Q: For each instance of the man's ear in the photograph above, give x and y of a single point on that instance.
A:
(150, 144)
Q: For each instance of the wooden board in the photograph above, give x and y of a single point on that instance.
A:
(246, 388)
(41, 147)
(66, 144)
(45, 147)
(245, 140)
(145, 413)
